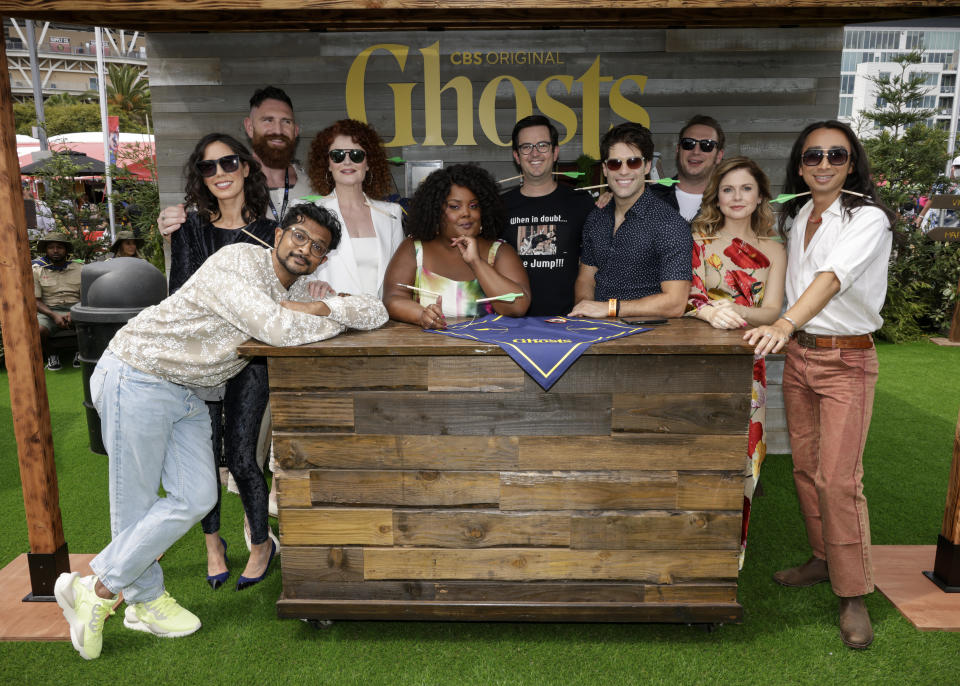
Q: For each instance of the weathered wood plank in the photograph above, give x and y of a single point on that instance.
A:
(587, 490)
(666, 374)
(633, 452)
(311, 411)
(520, 564)
(303, 450)
(480, 528)
(309, 564)
(409, 373)
(676, 613)
(655, 530)
(461, 414)
(681, 413)
(336, 526)
(403, 487)
(293, 488)
(710, 491)
(519, 591)
(467, 374)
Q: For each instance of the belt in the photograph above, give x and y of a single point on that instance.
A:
(809, 340)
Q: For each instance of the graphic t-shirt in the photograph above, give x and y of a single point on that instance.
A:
(545, 231)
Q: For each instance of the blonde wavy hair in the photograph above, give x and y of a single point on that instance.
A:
(710, 220)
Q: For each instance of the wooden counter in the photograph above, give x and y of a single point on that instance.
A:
(428, 477)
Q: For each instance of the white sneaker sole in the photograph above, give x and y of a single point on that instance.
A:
(63, 591)
(131, 621)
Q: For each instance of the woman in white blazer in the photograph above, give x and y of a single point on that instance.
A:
(347, 166)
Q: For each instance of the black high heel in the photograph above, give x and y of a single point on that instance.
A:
(246, 582)
(218, 580)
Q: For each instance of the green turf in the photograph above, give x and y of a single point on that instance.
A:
(788, 636)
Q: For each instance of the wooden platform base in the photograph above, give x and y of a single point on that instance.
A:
(35, 621)
(898, 574)
(726, 613)
(944, 341)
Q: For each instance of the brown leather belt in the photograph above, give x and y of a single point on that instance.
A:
(809, 340)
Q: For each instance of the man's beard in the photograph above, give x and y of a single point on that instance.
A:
(269, 156)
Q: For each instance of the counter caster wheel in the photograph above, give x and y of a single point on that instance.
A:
(319, 623)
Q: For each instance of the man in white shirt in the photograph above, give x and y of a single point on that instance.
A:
(699, 151)
(157, 429)
(837, 255)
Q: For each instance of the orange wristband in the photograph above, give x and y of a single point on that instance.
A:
(612, 307)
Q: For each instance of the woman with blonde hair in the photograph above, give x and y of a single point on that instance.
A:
(739, 266)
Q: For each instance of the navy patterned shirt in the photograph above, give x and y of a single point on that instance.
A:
(653, 244)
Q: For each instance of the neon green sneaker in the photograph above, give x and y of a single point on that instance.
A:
(161, 617)
(84, 610)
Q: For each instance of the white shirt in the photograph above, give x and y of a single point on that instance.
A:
(688, 204)
(856, 249)
(191, 338)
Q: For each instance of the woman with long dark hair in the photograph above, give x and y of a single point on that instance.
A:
(837, 254)
(226, 193)
(738, 269)
(452, 258)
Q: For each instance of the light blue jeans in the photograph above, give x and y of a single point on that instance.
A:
(156, 433)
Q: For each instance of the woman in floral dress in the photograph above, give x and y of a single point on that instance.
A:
(739, 265)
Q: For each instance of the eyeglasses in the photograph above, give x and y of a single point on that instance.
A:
(228, 163)
(527, 148)
(356, 155)
(300, 239)
(706, 144)
(835, 156)
(613, 164)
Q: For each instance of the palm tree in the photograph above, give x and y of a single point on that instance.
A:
(127, 91)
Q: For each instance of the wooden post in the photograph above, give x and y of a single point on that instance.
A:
(28, 388)
(946, 567)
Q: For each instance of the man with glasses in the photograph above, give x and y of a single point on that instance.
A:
(635, 259)
(273, 134)
(157, 430)
(544, 218)
(699, 151)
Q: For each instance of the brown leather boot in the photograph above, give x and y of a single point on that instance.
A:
(855, 629)
(810, 573)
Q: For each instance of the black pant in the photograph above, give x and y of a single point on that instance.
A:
(236, 429)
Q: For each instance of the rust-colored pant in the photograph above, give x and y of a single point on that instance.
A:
(828, 395)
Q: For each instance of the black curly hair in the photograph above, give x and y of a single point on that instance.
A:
(255, 193)
(427, 207)
(859, 180)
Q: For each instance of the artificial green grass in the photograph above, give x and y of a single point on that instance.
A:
(788, 636)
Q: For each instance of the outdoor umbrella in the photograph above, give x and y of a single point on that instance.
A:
(86, 166)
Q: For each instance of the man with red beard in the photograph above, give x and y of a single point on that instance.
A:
(273, 134)
(699, 151)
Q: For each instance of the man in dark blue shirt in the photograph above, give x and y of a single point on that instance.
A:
(635, 259)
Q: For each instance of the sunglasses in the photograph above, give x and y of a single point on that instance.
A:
(228, 163)
(356, 155)
(706, 144)
(613, 164)
(835, 156)
(300, 239)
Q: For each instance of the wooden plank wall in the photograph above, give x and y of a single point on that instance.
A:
(425, 480)
(763, 85)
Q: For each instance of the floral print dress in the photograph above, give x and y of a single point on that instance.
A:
(732, 269)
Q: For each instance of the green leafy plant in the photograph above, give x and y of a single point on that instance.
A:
(73, 212)
(137, 200)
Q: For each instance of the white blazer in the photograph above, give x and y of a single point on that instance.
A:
(340, 269)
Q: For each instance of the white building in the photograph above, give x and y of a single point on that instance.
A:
(869, 50)
(67, 56)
